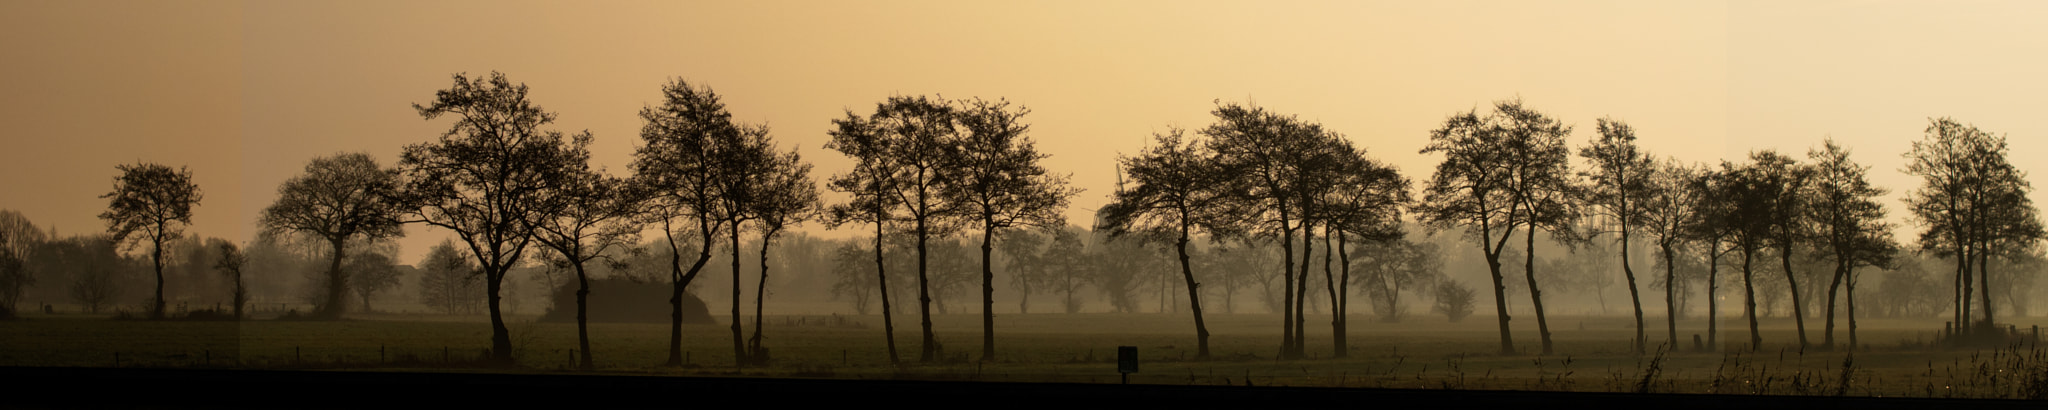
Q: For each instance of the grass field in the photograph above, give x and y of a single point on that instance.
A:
(1592, 353)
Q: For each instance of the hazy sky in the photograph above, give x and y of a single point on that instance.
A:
(247, 93)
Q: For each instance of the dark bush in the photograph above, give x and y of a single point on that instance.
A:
(625, 301)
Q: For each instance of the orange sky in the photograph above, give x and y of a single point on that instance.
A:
(246, 93)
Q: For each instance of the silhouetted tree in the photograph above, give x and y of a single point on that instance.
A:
(449, 281)
(871, 184)
(1026, 268)
(19, 240)
(483, 178)
(587, 214)
(230, 265)
(996, 183)
(679, 165)
(1780, 182)
(1454, 300)
(1067, 267)
(1268, 152)
(1620, 188)
(340, 198)
(371, 272)
(1712, 226)
(853, 276)
(1365, 200)
(1750, 193)
(918, 133)
(744, 158)
(154, 202)
(1668, 209)
(1538, 166)
(1178, 186)
(1391, 267)
(1850, 224)
(788, 197)
(1972, 200)
(1470, 189)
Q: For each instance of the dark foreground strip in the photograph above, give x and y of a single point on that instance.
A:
(29, 387)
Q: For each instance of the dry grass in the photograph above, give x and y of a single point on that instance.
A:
(1593, 353)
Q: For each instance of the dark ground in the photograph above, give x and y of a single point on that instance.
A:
(30, 387)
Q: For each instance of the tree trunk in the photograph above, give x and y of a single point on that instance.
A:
(1962, 278)
(583, 318)
(1340, 294)
(754, 349)
(337, 283)
(1536, 295)
(1635, 298)
(1798, 308)
(1713, 297)
(1670, 297)
(1500, 289)
(1300, 348)
(1852, 310)
(739, 346)
(156, 257)
(1984, 284)
(501, 337)
(1756, 340)
(1841, 269)
(241, 295)
(882, 276)
(928, 351)
(681, 281)
(1287, 294)
(988, 291)
(1187, 274)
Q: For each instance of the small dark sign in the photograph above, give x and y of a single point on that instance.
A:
(1126, 359)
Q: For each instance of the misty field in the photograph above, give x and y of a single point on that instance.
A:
(1592, 352)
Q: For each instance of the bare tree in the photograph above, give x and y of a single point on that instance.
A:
(19, 240)
(678, 164)
(154, 202)
(1713, 226)
(1470, 190)
(1850, 224)
(449, 281)
(1389, 268)
(1621, 187)
(372, 272)
(871, 185)
(788, 197)
(998, 183)
(230, 265)
(853, 277)
(1750, 192)
(1178, 187)
(587, 214)
(1026, 268)
(1667, 210)
(1781, 181)
(1269, 152)
(483, 178)
(1365, 200)
(917, 134)
(1539, 162)
(1972, 200)
(1454, 300)
(340, 198)
(1502, 172)
(745, 159)
(1067, 267)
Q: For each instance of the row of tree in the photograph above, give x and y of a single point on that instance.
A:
(929, 167)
